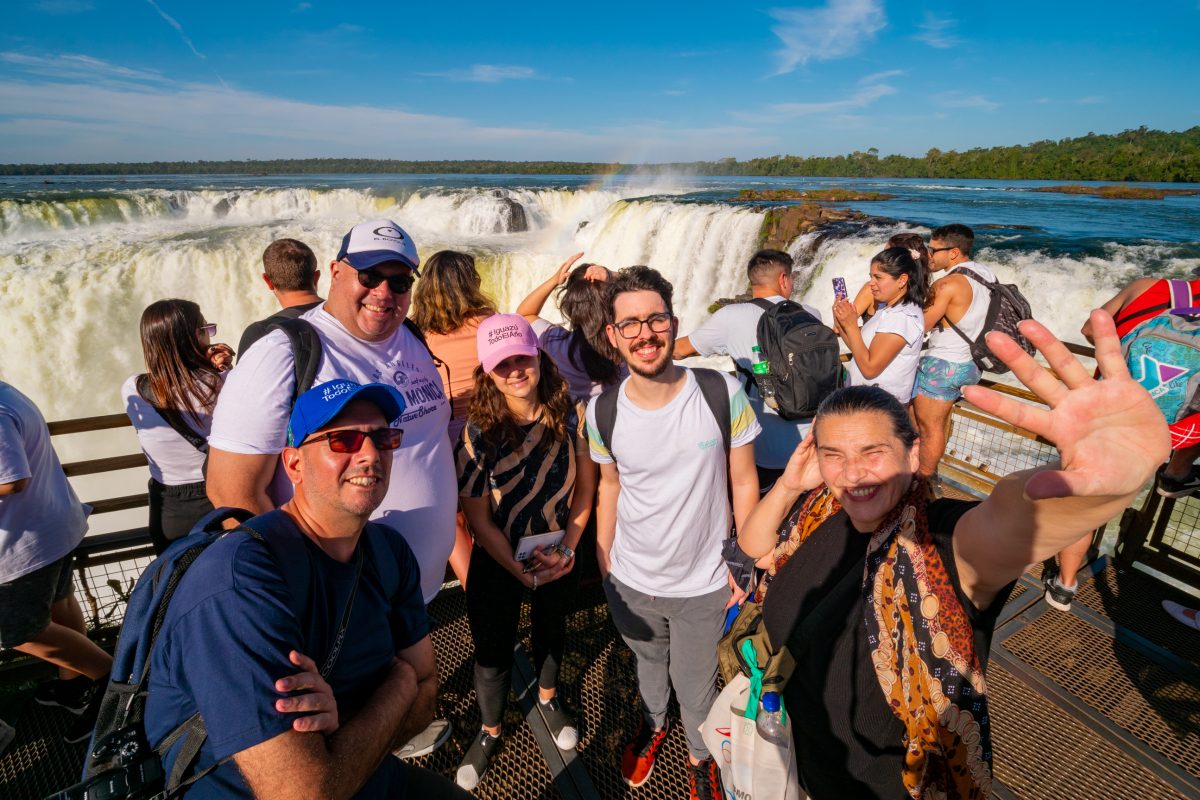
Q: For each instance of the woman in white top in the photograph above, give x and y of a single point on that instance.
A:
(585, 358)
(170, 406)
(887, 349)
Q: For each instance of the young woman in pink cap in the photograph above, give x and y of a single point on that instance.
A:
(523, 471)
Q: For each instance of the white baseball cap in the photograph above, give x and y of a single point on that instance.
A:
(378, 241)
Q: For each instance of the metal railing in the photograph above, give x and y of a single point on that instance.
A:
(980, 450)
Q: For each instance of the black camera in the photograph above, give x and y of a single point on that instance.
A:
(136, 772)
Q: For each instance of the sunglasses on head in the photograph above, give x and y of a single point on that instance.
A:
(348, 441)
(399, 284)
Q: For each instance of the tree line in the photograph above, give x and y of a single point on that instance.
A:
(1133, 155)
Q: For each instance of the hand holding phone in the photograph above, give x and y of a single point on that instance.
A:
(839, 288)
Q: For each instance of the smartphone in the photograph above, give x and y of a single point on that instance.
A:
(839, 288)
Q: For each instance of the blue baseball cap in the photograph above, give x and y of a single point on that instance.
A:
(377, 242)
(320, 404)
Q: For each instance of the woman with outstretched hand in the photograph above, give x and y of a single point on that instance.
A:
(887, 599)
(170, 406)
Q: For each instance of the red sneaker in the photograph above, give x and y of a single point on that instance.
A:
(637, 761)
(705, 780)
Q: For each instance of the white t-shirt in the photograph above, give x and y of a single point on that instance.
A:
(733, 330)
(45, 521)
(673, 510)
(173, 461)
(947, 345)
(252, 414)
(908, 322)
(555, 340)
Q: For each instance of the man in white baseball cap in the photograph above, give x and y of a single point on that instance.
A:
(365, 337)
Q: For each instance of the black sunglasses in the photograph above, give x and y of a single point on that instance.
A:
(399, 284)
(933, 250)
(348, 441)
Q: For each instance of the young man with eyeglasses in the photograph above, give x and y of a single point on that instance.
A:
(946, 365)
(308, 705)
(663, 513)
(363, 339)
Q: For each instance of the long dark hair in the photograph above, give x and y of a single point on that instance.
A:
(449, 293)
(584, 304)
(489, 410)
(913, 242)
(858, 399)
(179, 374)
(897, 261)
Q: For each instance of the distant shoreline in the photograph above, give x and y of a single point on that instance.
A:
(1139, 155)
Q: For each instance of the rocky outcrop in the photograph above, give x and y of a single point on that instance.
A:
(782, 225)
(512, 217)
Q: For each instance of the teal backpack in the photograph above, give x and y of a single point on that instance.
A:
(1163, 355)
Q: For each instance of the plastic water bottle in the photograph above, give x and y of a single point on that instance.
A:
(762, 377)
(770, 720)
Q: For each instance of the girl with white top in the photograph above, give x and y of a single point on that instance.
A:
(170, 406)
(887, 349)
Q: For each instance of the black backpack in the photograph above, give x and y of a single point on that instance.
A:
(1006, 307)
(306, 353)
(803, 355)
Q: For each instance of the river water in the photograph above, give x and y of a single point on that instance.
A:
(81, 257)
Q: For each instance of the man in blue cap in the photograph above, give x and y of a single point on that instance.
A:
(231, 644)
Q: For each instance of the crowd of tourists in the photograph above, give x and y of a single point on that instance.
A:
(404, 424)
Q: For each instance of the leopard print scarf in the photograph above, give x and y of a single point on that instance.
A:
(923, 650)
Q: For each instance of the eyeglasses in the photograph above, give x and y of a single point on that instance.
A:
(210, 329)
(631, 328)
(933, 250)
(399, 284)
(348, 441)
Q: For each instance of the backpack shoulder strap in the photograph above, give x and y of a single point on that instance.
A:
(970, 273)
(716, 394)
(420, 334)
(761, 302)
(606, 415)
(171, 416)
(306, 352)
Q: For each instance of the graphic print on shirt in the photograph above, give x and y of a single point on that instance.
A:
(422, 395)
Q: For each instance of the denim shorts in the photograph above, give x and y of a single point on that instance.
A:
(943, 380)
(25, 601)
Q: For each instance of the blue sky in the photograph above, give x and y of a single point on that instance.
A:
(110, 80)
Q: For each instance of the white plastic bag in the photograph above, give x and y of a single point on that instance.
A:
(751, 767)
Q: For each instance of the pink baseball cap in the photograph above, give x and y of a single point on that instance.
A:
(504, 335)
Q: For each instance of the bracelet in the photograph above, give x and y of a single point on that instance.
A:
(564, 551)
(535, 581)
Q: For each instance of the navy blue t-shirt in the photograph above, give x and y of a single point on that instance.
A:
(230, 627)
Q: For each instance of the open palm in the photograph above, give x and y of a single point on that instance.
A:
(1110, 435)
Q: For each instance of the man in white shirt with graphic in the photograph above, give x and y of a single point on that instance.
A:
(363, 339)
(946, 366)
(662, 515)
(733, 331)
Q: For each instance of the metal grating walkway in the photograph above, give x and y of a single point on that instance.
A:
(1103, 701)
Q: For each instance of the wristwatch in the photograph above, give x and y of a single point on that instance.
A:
(565, 551)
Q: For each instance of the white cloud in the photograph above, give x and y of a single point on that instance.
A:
(964, 100)
(78, 120)
(863, 96)
(835, 30)
(938, 32)
(882, 76)
(487, 73)
(76, 66)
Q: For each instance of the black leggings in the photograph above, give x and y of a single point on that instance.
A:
(494, 611)
(174, 510)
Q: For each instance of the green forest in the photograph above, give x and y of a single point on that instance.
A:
(1133, 155)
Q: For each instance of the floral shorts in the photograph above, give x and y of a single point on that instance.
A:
(943, 380)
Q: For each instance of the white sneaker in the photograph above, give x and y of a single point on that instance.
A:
(434, 736)
(1187, 616)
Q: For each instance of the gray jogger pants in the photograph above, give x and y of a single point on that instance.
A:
(675, 641)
